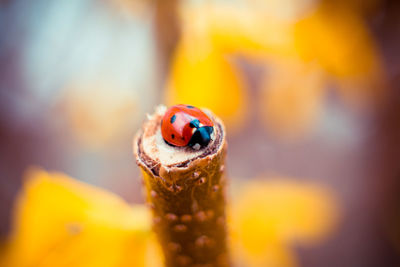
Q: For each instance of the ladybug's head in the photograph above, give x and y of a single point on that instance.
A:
(201, 137)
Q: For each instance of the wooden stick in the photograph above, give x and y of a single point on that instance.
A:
(186, 191)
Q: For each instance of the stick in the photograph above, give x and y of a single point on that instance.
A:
(186, 191)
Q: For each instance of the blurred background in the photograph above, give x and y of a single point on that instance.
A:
(308, 89)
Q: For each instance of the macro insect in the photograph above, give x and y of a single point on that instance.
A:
(185, 125)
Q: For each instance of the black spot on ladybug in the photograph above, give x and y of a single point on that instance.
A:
(189, 106)
(173, 118)
(173, 136)
(194, 123)
(183, 138)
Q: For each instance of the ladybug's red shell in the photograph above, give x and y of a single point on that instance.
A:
(176, 126)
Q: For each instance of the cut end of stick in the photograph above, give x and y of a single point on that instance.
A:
(153, 150)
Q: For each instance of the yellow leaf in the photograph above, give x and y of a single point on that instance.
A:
(270, 215)
(338, 39)
(60, 221)
(203, 77)
(247, 31)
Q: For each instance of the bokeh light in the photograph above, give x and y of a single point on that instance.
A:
(308, 90)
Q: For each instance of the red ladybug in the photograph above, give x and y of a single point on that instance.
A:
(184, 125)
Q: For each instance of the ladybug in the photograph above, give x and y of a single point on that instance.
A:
(185, 125)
